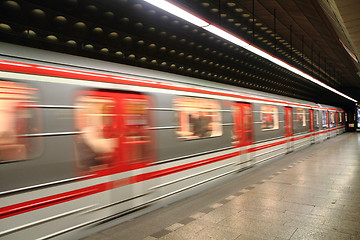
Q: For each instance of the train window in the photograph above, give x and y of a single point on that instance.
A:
(332, 119)
(198, 117)
(301, 117)
(317, 119)
(342, 118)
(248, 121)
(324, 119)
(96, 144)
(340, 114)
(137, 141)
(19, 122)
(269, 117)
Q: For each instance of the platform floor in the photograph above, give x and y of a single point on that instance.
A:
(310, 194)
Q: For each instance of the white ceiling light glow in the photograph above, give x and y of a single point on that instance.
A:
(187, 16)
(225, 35)
(179, 12)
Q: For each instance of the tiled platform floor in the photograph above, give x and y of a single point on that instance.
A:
(310, 194)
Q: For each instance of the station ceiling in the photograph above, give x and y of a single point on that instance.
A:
(310, 35)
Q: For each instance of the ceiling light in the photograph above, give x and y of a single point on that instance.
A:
(227, 36)
(179, 12)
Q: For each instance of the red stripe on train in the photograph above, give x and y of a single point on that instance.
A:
(35, 204)
(28, 206)
(172, 170)
(254, 149)
(82, 75)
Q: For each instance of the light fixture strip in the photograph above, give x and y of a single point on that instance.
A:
(189, 17)
(179, 12)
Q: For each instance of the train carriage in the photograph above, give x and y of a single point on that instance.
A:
(83, 142)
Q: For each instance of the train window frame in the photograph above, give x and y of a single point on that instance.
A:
(324, 123)
(197, 118)
(269, 109)
(20, 120)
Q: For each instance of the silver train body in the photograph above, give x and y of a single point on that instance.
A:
(84, 142)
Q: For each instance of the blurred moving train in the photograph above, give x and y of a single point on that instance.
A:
(83, 142)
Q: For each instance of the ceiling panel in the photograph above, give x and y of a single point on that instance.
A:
(135, 33)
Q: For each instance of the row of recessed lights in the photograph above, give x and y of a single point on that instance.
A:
(270, 43)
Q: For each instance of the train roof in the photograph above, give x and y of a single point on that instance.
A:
(30, 55)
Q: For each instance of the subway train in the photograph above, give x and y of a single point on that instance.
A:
(85, 142)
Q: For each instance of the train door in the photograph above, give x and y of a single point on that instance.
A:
(115, 144)
(96, 147)
(136, 151)
(336, 123)
(311, 120)
(289, 129)
(243, 131)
